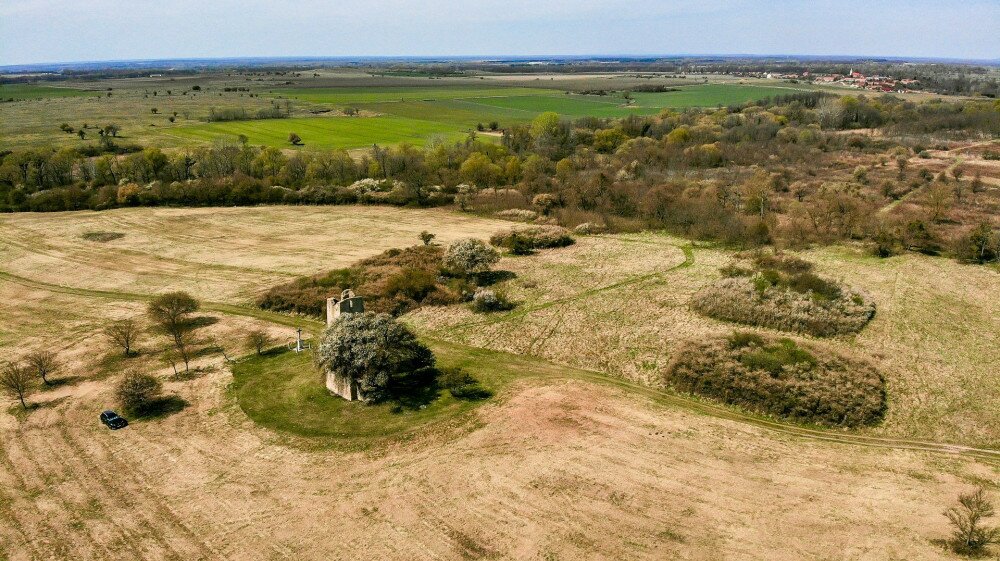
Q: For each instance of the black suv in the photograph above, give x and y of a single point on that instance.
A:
(113, 421)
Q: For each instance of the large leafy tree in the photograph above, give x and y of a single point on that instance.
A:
(373, 350)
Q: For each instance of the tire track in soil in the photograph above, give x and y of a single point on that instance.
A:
(72, 506)
(49, 489)
(12, 480)
(134, 526)
(142, 502)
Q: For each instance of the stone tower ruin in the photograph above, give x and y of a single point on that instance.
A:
(348, 303)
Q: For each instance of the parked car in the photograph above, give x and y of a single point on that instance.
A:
(113, 420)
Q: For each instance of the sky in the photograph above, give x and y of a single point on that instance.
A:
(35, 31)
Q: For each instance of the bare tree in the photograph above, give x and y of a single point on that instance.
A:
(44, 363)
(15, 380)
(123, 333)
(172, 313)
(258, 340)
(970, 536)
(939, 199)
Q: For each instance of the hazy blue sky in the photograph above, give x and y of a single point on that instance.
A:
(72, 30)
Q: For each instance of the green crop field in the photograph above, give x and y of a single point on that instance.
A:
(710, 95)
(408, 113)
(323, 132)
(564, 104)
(404, 93)
(32, 91)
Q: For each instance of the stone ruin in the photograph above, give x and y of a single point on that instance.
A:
(348, 303)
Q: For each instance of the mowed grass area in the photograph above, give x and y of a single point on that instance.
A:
(324, 132)
(283, 391)
(524, 474)
(36, 91)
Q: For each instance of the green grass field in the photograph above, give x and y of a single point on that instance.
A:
(709, 95)
(323, 132)
(410, 113)
(341, 96)
(33, 91)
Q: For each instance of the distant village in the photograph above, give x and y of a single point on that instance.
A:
(852, 79)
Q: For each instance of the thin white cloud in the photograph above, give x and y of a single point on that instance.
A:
(50, 30)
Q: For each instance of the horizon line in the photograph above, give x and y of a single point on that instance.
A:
(503, 58)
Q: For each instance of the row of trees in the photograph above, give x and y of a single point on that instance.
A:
(692, 171)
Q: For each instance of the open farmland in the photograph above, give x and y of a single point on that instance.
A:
(22, 92)
(406, 110)
(936, 342)
(219, 479)
(324, 132)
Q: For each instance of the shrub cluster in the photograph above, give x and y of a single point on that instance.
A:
(782, 293)
(461, 384)
(781, 378)
(489, 300)
(395, 282)
(518, 214)
(524, 239)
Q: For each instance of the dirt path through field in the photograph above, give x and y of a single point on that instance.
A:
(597, 377)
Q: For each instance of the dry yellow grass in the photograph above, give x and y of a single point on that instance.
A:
(551, 469)
(935, 336)
(222, 254)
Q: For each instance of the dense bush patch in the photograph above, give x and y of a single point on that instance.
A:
(525, 239)
(781, 378)
(394, 282)
(781, 292)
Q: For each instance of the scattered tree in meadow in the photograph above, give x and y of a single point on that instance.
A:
(427, 237)
(294, 139)
(259, 340)
(43, 363)
(970, 535)
(123, 334)
(171, 312)
(17, 381)
(136, 391)
(82, 134)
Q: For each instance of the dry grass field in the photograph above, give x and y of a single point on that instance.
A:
(935, 336)
(561, 464)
